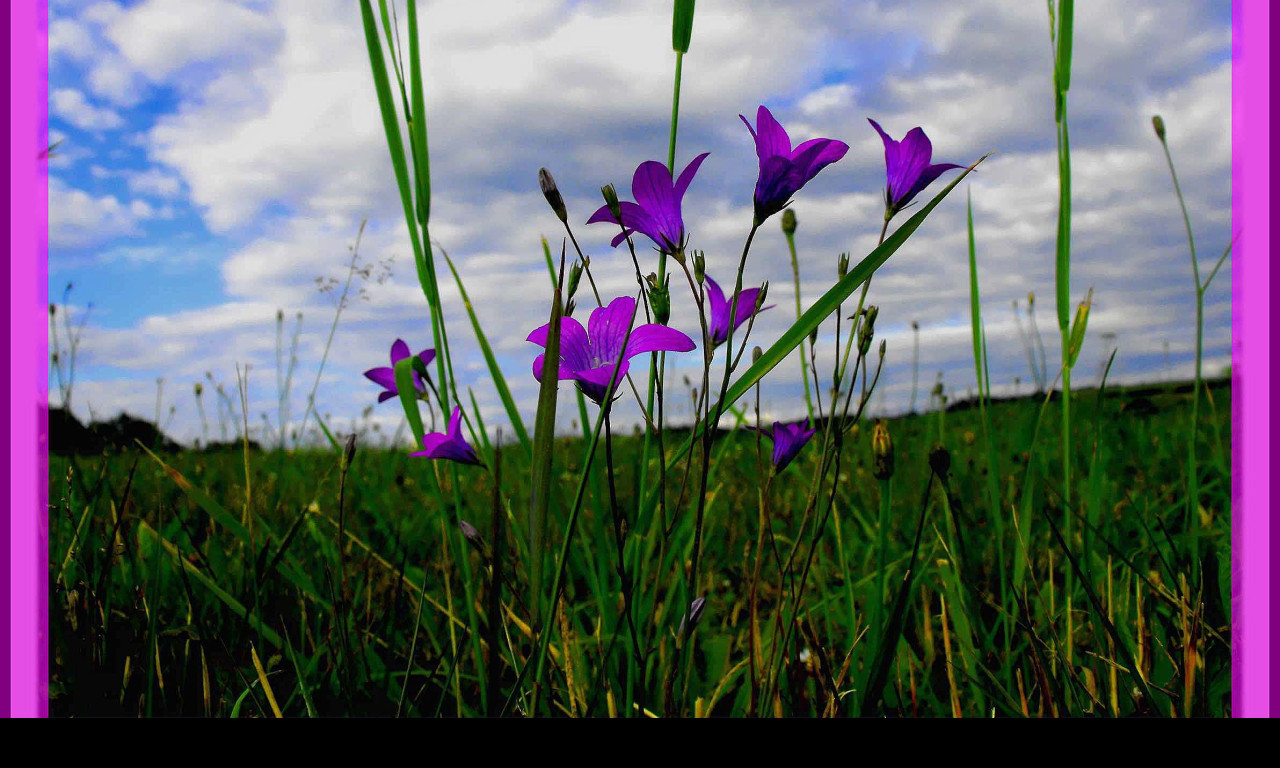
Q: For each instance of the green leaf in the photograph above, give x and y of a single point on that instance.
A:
(682, 25)
(408, 392)
(1065, 23)
(544, 433)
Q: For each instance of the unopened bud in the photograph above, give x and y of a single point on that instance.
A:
(940, 461)
(1031, 299)
(699, 266)
(691, 619)
(660, 298)
(756, 352)
(348, 451)
(760, 297)
(279, 315)
(611, 200)
(1157, 122)
(199, 389)
(575, 277)
(842, 267)
(881, 451)
(883, 346)
(552, 193)
(788, 222)
(473, 537)
(867, 333)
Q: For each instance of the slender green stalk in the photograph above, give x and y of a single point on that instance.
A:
(790, 234)
(1193, 474)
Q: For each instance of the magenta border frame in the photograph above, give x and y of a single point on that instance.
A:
(24, 540)
(1251, 373)
(28, 464)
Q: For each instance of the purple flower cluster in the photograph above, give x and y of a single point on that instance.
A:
(597, 357)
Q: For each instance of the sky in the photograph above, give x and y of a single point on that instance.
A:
(217, 159)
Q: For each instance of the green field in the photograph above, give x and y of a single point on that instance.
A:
(272, 608)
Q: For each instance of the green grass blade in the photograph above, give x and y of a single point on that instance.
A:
(544, 434)
(495, 372)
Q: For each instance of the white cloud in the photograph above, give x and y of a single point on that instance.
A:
(77, 218)
(280, 146)
(72, 106)
(161, 37)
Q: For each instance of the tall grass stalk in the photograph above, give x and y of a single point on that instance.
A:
(1201, 287)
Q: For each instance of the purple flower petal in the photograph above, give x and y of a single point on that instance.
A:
(450, 444)
(594, 382)
(608, 327)
(383, 377)
(575, 348)
(657, 338)
(399, 351)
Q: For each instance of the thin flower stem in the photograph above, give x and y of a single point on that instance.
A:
(795, 276)
(624, 577)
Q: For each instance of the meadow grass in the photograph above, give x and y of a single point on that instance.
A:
(160, 598)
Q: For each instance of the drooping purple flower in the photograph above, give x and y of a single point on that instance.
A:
(386, 377)
(588, 356)
(907, 167)
(656, 211)
(449, 444)
(783, 170)
(787, 439)
(718, 323)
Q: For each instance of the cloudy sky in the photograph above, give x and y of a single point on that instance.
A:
(217, 158)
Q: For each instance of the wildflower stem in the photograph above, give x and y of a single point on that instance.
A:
(1193, 479)
(795, 276)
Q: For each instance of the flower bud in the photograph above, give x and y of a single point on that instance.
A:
(660, 298)
(940, 461)
(868, 330)
(694, 615)
(881, 451)
(348, 451)
(611, 200)
(552, 193)
(756, 352)
(1031, 299)
(699, 266)
(760, 297)
(915, 326)
(1157, 122)
(472, 536)
(788, 222)
(575, 277)
(199, 389)
(842, 268)
(883, 345)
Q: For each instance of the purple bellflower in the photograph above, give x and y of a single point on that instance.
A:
(718, 323)
(907, 167)
(588, 356)
(449, 444)
(787, 439)
(386, 377)
(656, 211)
(783, 170)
